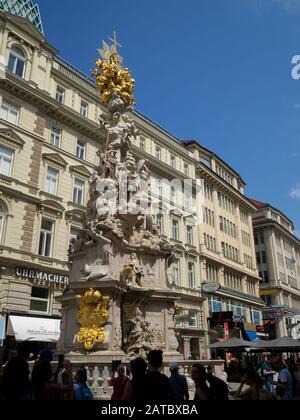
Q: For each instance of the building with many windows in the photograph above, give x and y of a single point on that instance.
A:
(278, 261)
(227, 252)
(49, 139)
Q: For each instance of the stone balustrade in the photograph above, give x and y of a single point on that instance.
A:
(100, 374)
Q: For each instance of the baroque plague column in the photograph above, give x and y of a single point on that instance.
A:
(119, 304)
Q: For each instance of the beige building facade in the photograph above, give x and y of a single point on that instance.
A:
(49, 139)
(278, 260)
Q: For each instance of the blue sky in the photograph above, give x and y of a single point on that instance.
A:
(218, 71)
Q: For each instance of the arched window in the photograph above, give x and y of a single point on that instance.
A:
(16, 62)
(2, 221)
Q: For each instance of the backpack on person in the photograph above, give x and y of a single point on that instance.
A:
(85, 392)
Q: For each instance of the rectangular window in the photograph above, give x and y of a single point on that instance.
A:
(263, 257)
(158, 152)
(9, 112)
(173, 161)
(191, 275)
(256, 239)
(261, 237)
(84, 108)
(193, 319)
(258, 258)
(158, 188)
(80, 149)
(187, 201)
(186, 169)
(173, 194)
(60, 94)
(55, 136)
(6, 159)
(189, 235)
(266, 276)
(72, 238)
(175, 229)
(159, 223)
(78, 191)
(176, 273)
(142, 143)
(46, 236)
(39, 301)
(51, 181)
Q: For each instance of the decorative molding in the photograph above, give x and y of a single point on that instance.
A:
(75, 215)
(80, 170)
(51, 206)
(9, 137)
(55, 159)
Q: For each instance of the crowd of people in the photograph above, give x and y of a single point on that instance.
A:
(145, 382)
(18, 384)
(275, 379)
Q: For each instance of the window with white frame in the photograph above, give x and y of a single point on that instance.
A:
(16, 61)
(175, 229)
(46, 238)
(6, 160)
(193, 321)
(39, 301)
(78, 191)
(158, 152)
(51, 181)
(187, 200)
(84, 108)
(173, 194)
(176, 273)
(60, 94)
(9, 112)
(173, 161)
(80, 149)
(180, 318)
(159, 223)
(158, 187)
(142, 143)
(55, 136)
(191, 275)
(186, 169)
(189, 235)
(2, 222)
(72, 238)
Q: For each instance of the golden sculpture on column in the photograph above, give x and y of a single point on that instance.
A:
(92, 315)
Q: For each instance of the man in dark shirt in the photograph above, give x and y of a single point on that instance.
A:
(156, 383)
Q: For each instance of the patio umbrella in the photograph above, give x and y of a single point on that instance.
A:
(233, 343)
(284, 343)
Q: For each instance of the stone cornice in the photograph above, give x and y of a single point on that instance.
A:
(51, 107)
(272, 224)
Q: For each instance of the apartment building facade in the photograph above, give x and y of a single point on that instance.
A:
(278, 260)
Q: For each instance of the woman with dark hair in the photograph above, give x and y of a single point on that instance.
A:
(15, 383)
(199, 376)
(135, 388)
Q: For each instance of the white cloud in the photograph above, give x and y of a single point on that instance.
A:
(295, 192)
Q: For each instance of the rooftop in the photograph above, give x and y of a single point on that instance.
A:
(25, 9)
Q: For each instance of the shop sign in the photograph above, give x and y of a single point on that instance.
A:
(211, 287)
(40, 275)
(273, 314)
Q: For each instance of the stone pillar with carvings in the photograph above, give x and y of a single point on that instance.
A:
(120, 303)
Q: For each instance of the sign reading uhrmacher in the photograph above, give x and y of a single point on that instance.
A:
(40, 275)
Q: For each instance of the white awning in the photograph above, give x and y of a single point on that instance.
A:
(34, 329)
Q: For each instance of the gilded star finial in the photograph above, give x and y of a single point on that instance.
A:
(111, 77)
